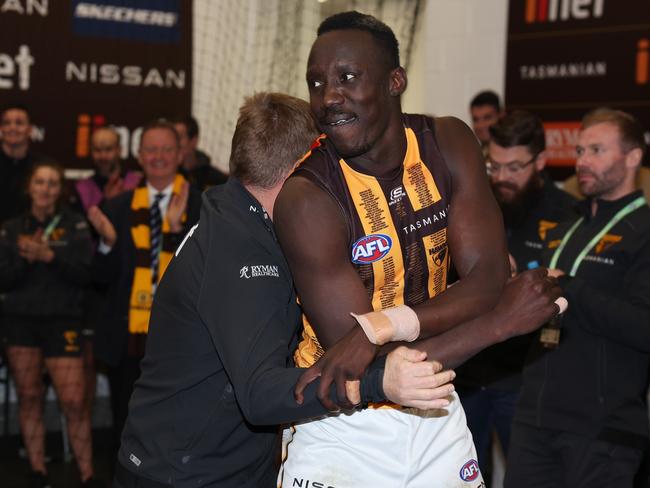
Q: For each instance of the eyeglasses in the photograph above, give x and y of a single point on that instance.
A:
(511, 168)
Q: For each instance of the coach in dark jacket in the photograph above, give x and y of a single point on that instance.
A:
(582, 416)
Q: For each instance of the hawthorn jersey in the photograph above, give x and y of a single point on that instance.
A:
(397, 224)
(398, 245)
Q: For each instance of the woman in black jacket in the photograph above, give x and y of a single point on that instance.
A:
(45, 259)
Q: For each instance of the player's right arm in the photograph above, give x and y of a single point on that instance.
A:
(314, 239)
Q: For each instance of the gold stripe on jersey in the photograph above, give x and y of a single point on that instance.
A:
(435, 247)
(418, 180)
(309, 350)
(374, 214)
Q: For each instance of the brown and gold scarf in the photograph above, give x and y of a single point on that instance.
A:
(141, 289)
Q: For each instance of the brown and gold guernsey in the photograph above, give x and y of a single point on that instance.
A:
(397, 224)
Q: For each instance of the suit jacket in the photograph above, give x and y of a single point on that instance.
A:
(115, 270)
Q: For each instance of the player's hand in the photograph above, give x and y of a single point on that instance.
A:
(527, 301)
(412, 381)
(102, 225)
(344, 362)
(176, 208)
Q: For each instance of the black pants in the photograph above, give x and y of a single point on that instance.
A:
(121, 379)
(543, 458)
(126, 479)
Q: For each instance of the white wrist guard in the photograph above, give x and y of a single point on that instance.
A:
(390, 325)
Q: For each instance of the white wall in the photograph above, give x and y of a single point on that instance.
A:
(459, 50)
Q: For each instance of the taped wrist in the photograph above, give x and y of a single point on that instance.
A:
(399, 323)
(372, 382)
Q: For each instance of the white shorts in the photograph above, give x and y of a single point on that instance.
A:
(382, 448)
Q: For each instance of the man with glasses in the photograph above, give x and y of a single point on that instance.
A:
(489, 383)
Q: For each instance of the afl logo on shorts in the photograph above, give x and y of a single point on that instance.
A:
(371, 248)
(469, 471)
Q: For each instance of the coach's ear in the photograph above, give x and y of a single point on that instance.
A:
(398, 82)
(633, 158)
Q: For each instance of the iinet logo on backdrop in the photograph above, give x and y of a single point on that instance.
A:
(87, 123)
(560, 10)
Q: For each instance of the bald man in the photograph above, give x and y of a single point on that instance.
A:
(110, 179)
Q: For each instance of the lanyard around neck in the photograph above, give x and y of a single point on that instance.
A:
(50, 228)
(629, 208)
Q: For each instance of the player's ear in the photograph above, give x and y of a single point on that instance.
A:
(398, 81)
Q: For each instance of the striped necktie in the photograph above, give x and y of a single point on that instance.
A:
(155, 232)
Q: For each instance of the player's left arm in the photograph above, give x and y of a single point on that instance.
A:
(475, 236)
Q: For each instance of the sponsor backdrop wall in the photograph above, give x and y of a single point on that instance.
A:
(81, 64)
(565, 57)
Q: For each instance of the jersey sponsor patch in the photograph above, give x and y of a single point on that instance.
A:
(371, 248)
(469, 471)
(396, 194)
(606, 242)
(259, 270)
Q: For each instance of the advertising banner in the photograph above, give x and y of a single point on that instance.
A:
(80, 64)
(566, 57)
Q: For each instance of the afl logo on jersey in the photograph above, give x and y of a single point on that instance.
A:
(371, 248)
(469, 471)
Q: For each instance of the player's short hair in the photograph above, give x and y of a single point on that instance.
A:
(487, 97)
(354, 20)
(629, 128)
(519, 128)
(16, 106)
(273, 131)
(163, 124)
(190, 123)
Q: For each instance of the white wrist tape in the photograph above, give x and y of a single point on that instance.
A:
(390, 325)
(562, 303)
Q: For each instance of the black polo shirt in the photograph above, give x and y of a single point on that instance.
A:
(217, 377)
